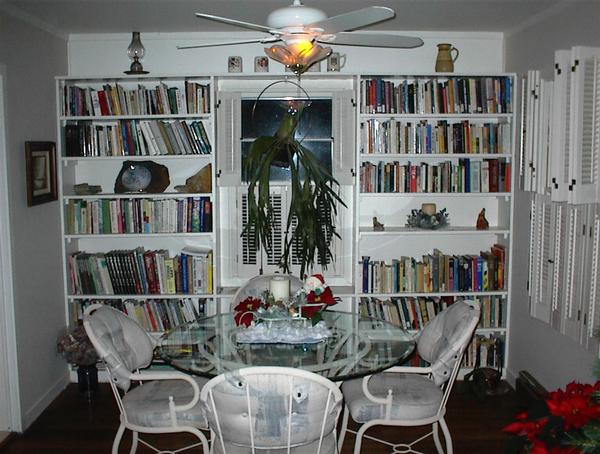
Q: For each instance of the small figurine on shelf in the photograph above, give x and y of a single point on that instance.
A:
(377, 226)
(482, 222)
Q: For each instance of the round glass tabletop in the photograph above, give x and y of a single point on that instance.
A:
(357, 346)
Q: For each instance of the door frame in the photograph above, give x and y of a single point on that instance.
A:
(10, 408)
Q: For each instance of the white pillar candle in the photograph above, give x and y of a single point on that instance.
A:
(280, 288)
(428, 208)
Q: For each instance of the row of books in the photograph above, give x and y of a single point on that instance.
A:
(414, 313)
(136, 138)
(140, 272)
(194, 98)
(436, 272)
(424, 137)
(108, 216)
(465, 175)
(485, 351)
(452, 95)
(156, 315)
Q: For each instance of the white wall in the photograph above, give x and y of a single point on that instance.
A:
(104, 54)
(32, 58)
(553, 359)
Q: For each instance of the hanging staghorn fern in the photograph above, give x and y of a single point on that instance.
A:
(310, 226)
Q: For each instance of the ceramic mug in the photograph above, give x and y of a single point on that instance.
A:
(447, 55)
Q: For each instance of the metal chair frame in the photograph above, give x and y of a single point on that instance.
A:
(140, 377)
(437, 421)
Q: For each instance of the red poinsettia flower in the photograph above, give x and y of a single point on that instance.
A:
(574, 405)
(244, 311)
(529, 429)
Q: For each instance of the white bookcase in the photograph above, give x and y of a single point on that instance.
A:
(358, 127)
(101, 125)
(409, 152)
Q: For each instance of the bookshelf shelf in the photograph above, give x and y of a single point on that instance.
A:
(109, 254)
(446, 140)
(141, 297)
(451, 230)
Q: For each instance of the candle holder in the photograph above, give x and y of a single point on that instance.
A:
(421, 220)
(135, 52)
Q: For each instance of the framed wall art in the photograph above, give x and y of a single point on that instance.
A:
(40, 165)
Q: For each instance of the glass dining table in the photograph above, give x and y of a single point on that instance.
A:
(357, 346)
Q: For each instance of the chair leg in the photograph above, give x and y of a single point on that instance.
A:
(134, 443)
(344, 428)
(447, 436)
(117, 441)
(436, 438)
(359, 435)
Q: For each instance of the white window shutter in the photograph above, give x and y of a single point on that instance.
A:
(573, 251)
(542, 272)
(344, 136)
(229, 132)
(591, 295)
(585, 124)
(561, 123)
(559, 213)
(542, 151)
(531, 121)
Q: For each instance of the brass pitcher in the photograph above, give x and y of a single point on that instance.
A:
(447, 55)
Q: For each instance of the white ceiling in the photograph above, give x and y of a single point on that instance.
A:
(118, 16)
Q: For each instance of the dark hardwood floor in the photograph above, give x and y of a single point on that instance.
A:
(71, 424)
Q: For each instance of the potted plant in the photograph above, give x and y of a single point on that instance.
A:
(75, 346)
(314, 199)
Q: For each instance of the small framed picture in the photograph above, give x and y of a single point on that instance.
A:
(40, 167)
(234, 64)
(261, 64)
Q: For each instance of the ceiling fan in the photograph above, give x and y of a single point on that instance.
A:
(297, 25)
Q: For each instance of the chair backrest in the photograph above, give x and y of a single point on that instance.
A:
(258, 284)
(272, 407)
(444, 339)
(120, 342)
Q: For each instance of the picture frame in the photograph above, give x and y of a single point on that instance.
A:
(261, 64)
(234, 64)
(40, 165)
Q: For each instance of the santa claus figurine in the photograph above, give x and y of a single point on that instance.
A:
(317, 291)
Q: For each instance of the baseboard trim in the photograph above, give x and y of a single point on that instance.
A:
(42, 403)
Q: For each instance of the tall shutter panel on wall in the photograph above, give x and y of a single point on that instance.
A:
(229, 132)
(591, 296)
(533, 112)
(542, 146)
(573, 251)
(585, 125)
(559, 214)
(540, 307)
(344, 136)
(561, 123)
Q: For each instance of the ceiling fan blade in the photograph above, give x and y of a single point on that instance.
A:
(239, 23)
(231, 43)
(373, 40)
(355, 19)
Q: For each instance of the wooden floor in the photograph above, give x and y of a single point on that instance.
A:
(73, 425)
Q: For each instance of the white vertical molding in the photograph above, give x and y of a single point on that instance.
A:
(10, 408)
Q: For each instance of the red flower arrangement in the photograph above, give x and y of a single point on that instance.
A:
(567, 423)
(244, 311)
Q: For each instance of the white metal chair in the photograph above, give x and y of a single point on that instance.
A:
(163, 402)
(272, 410)
(258, 284)
(415, 396)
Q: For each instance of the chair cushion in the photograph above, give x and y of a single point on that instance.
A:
(148, 404)
(327, 447)
(414, 397)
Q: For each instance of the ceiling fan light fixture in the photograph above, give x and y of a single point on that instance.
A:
(298, 57)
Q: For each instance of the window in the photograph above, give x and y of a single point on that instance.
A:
(263, 117)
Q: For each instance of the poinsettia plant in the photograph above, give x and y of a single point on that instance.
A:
(245, 311)
(568, 422)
